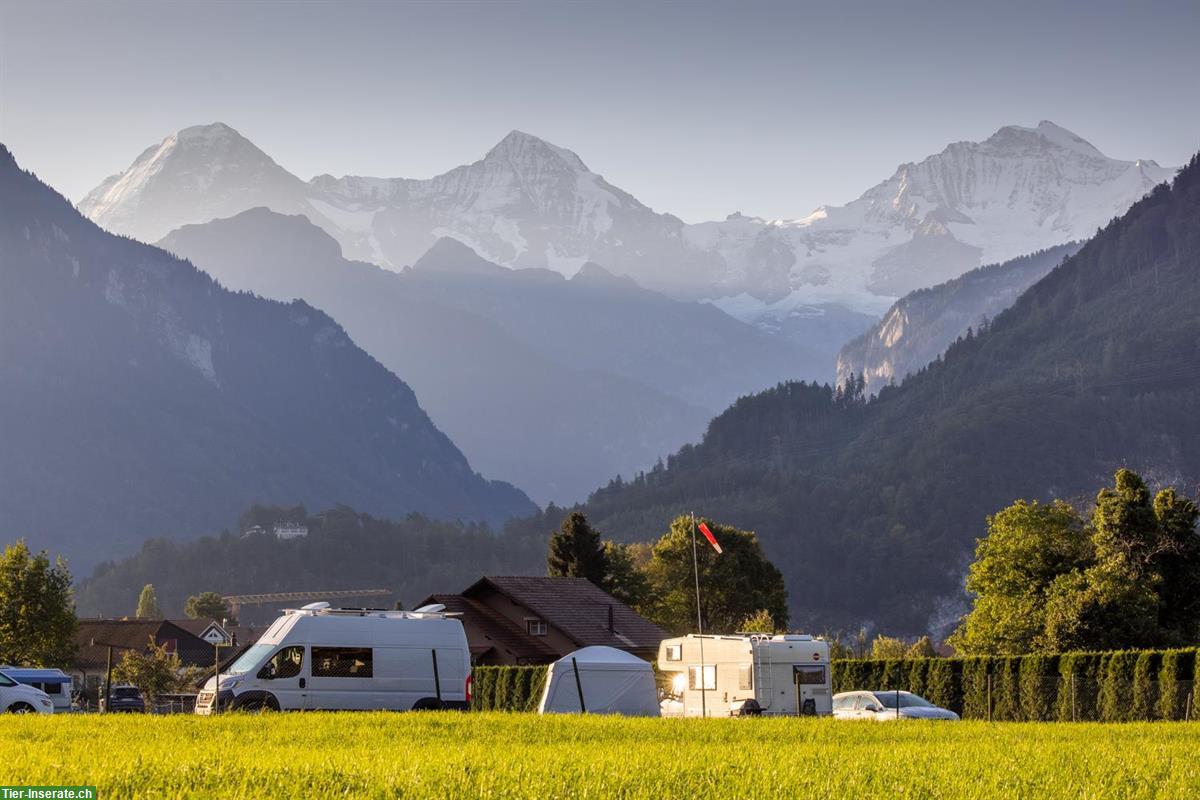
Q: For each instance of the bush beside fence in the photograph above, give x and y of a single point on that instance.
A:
(1109, 687)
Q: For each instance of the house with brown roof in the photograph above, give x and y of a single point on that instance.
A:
(94, 636)
(537, 620)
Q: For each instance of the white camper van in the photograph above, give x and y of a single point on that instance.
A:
(756, 674)
(349, 659)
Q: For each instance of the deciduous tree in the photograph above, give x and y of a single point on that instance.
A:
(37, 613)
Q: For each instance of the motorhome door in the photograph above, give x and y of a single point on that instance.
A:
(809, 678)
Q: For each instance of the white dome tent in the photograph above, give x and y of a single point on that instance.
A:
(611, 681)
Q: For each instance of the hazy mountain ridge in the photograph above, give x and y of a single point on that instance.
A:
(551, 383)
(142, 399)
(920, 326)
(529, 203)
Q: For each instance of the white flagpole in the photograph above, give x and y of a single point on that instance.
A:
(699, 618)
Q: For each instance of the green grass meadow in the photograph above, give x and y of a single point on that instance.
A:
(499, 755)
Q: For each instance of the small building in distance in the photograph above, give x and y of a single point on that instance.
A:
(537, 620)
(291, 530)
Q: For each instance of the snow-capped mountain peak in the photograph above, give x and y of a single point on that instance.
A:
(530, 203)
(521, 150)
(193, 175)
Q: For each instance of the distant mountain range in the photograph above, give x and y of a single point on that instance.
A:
(920, 326)
(140, 398)
(555, 384)
(872, 509)
(530, 204)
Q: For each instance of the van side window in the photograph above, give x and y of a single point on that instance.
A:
(284, 664)
(342, 662)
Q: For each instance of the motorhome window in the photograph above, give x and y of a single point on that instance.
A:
(809, 674)
(710, 677)
(745, 676)
(284, 664)
(342, 662)
(674, 652)
(536, 627)
(248, 660)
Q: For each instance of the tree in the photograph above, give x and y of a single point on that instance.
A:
(37, 613)
(888, 647)
(154, 671)
(734, 585)
(147, 607)
(1045, 581)
(209, 605)
(1027, 547)
(623, 576)
(759, 622)
(921, 648)
(576, 551)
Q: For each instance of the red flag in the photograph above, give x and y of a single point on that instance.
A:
(709, 535)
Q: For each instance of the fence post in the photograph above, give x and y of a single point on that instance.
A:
(1187, 706)
(989, 696)
(1074, 712)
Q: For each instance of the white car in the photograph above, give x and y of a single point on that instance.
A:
(887, 706)
(17, 698)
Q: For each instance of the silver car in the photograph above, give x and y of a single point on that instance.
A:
(887, 706)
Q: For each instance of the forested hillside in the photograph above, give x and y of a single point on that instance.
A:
(872, 509)
(344, 549)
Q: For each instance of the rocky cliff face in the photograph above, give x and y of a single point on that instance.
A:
(921, 325)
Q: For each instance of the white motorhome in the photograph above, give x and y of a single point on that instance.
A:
(774, 675)
(18, 698)
(54, 682)
(349, 659)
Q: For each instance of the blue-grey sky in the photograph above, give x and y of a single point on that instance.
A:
(696, 108)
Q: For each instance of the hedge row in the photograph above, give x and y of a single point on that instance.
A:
(1111, 687)
(507, 688)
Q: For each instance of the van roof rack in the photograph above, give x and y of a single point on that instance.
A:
(382, 613)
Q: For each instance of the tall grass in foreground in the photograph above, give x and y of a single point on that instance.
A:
(438, 755)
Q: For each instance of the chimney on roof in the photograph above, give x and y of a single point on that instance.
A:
(610, 616)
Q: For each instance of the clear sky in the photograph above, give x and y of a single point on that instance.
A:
(696, 108)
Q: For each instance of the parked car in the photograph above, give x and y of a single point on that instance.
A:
(335, 659)
(887, 706)
(127, 699)
(17, 698)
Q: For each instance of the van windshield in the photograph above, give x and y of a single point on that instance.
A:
(249, 660)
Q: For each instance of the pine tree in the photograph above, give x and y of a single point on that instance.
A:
(576, 551)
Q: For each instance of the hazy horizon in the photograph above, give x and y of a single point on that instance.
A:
(697, 109)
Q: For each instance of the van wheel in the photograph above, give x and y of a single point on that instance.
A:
(256, 702)
(20, 708)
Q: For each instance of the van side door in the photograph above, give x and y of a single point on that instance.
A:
(285, 676)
